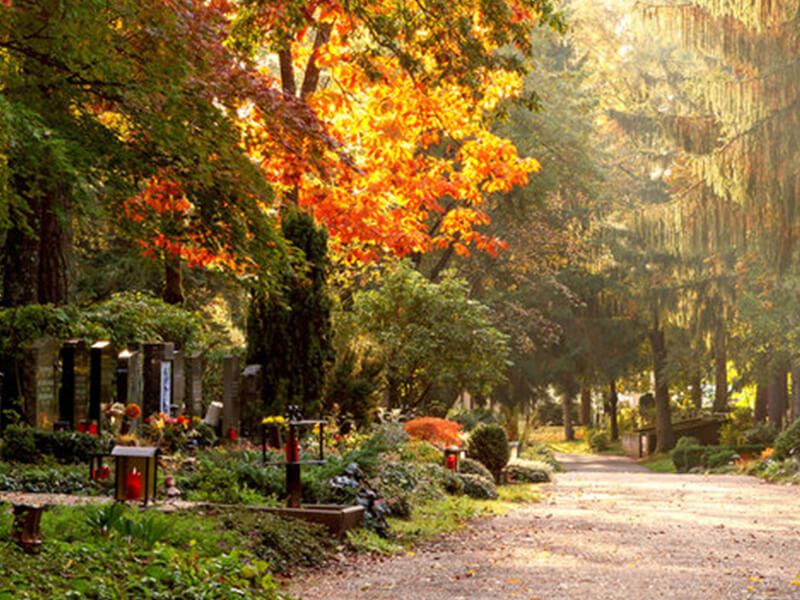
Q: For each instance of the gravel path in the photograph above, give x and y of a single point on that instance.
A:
(607, 530)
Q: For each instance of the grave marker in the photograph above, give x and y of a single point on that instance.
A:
(194, 385)
(101, 379)
(40, 382)
(251, 396)
(157, 389)
(230, 395)
(74, 392)
(178, 383)
(129, 380)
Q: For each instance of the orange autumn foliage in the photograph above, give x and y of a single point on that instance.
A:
(434, 430)
(166, 226)
(417, 164)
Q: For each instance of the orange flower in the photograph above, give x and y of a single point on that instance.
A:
(132, 411)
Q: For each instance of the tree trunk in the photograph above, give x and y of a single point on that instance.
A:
(612, 409)
(721, 371)
(566, 403)
(697, 390)
(663, 423)
(173, 281)
(760, 408)
(38, 261)
(795, 414)
(776, 395)
(586, 406)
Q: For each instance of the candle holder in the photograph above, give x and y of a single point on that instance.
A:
(135, 476)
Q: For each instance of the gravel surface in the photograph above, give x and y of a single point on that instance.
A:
(607, 530)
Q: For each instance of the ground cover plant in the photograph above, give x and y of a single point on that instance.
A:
(111, 552)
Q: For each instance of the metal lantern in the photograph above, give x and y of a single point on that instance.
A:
(451, 454)
(135, 477)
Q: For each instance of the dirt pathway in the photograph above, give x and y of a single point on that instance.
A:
(607, 530)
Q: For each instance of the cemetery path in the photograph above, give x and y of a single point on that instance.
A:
(604, 531)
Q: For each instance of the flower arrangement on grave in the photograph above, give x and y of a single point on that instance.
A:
(172, 434)
(114, 415)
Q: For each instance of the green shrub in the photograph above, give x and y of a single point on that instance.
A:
(473, 467)
(48, 479)
(687, 440)
(760, 433)
(599, 440)
(528, 471)
(687, 456)
(730, 435)
(19, 444)
(715, 460)
(488, 444)
(478, 487)
(390, 436)
(420, 451)
(541, 452)
(788, 442)
(67, 446)
(229, 478)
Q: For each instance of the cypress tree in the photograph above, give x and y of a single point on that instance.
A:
(289, 333)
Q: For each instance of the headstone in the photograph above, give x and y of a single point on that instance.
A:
(74, 392)
(157, 390)
(230, 394)
(129, 380)
(40, 382)
(194, 385)
(178, 383)
(101, 379)
(214, 415)
(251, 398)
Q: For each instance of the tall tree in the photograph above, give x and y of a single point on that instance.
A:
(97, 98)
(289, 333)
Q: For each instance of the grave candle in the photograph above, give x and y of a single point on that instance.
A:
(133, 485)
(92, 428)
(451, 462)
(292, 454)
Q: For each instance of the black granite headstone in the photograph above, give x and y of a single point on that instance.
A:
(101, 379)
(230, 394)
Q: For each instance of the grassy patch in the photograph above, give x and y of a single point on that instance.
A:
(439, 517)
(518, 494)
(103, 554)
(572, 447)
(660, 463)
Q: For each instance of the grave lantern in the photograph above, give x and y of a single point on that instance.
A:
(135, 477)
(451, 454)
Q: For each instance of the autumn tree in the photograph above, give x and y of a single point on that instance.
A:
(99, 98)
(406, 88)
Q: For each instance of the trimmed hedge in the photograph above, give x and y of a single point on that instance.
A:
(28, 445)
(473, 467)
(688, 456)
(478, 487)
(488, 444)
(528, 471)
